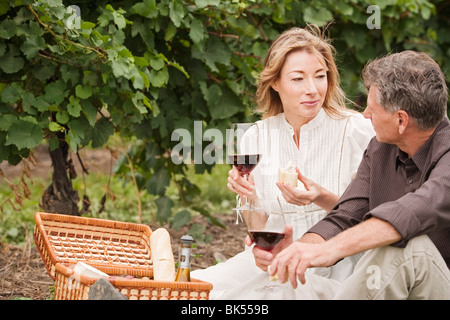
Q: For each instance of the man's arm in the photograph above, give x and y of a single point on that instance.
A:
(372, 233)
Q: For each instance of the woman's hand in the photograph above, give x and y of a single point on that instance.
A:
(239, 184)
(314, 193)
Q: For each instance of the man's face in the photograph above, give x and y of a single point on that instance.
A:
(383, 122)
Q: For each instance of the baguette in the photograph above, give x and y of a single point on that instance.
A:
(162, 256)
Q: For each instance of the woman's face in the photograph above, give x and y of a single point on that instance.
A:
(302, 86)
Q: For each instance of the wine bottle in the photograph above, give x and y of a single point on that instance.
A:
(184, 264)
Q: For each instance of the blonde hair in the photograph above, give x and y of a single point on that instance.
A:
(314, 41)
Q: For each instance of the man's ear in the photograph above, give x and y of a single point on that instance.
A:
(402, 121)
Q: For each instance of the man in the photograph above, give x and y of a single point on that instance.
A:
(398, 205)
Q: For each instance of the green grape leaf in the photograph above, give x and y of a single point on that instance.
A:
(32, 45)
(11, 62)
(197, 32)
(164, 205)
(83, 92)
(180, 219)
(159, 182)
(103, 129)
(24, 134)
(317, 16)
(55, 92)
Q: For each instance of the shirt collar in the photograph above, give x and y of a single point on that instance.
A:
(421, 156)
(316, 121)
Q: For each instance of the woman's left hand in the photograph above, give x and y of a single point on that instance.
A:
(314, 193)
(299, 197)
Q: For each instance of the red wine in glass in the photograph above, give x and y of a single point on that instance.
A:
(245, 163)
(266, 240)
(266, 221)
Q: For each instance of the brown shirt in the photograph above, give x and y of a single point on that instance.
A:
(412, 194)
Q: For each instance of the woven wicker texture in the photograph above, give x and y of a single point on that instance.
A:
(99, 242)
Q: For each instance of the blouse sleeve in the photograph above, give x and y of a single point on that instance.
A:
(358, 133)
(352, 206)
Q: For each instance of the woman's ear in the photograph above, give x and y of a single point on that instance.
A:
(274, 85)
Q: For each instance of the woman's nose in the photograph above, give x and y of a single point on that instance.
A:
(311, 87)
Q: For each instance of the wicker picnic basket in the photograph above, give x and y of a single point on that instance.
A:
(114, 247)
(68, 287)
(98, 242)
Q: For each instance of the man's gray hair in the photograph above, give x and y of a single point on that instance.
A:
(409, 81)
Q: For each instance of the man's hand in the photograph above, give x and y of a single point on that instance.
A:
(264, 258)
(298, 257)
(313, 251)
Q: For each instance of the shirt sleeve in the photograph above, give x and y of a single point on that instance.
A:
(352, 206)
(424, 210)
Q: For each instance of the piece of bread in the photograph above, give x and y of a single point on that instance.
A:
(275, 277)
(288, 175)
(162, 256)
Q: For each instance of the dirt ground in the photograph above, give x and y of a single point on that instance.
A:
(22, 271)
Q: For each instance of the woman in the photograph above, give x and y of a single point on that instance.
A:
(306, 124)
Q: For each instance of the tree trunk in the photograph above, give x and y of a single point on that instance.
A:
(60, 196)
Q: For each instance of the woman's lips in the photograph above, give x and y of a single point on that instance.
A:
(310, 103)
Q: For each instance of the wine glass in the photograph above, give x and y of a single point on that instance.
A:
(243, 150)
(265, 222)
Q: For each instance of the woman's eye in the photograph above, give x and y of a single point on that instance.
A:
(321, 76)
(297, 79)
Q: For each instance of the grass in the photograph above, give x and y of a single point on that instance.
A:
(17, 221)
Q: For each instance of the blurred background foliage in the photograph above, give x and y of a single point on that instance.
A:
(142, 69)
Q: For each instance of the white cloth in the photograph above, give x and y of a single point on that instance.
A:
(329, 153)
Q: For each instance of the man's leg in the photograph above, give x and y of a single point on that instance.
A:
(417, 271)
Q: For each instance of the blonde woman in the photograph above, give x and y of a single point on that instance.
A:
(306, 124)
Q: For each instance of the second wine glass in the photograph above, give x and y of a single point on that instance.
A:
(266, 220)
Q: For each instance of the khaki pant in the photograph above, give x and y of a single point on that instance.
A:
(417, 271)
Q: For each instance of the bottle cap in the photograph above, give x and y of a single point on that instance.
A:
(187, 239)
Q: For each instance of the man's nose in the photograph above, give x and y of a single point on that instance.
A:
(367, 113)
